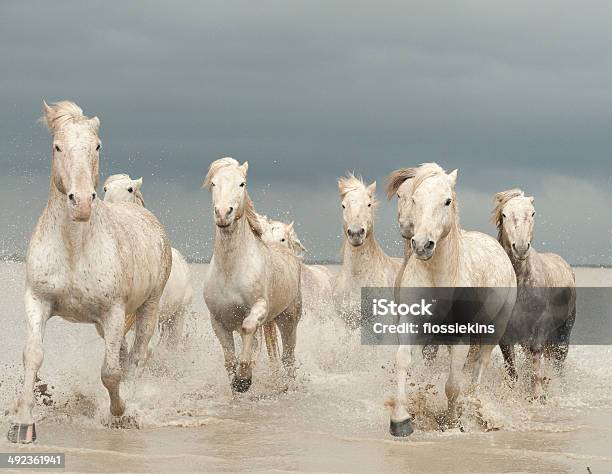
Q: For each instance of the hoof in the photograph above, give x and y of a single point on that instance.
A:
(401, 429)
(22, 433)
(241, 385)
(124, 422)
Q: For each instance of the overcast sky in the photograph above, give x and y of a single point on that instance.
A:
(511, 93)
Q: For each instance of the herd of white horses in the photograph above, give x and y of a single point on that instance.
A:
(110, 263)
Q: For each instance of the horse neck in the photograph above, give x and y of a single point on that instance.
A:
(444, 265)
(360, 260)
(230, 247)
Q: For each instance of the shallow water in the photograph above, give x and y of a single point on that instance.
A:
(331, 418)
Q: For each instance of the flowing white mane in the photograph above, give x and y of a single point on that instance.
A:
(418, 174)
(350, 183)
(500, 200)
(58, 114)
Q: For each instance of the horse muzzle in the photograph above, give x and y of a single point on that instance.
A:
(356, 237)
(80, 208)
(423, 248)
(521, 251)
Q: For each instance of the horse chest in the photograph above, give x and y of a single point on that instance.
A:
(79, 289)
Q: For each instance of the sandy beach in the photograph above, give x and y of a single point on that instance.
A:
(331, 418)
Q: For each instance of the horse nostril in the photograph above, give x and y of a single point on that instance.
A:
(230, 210)
(93, 196)
(71, 196)
(430, 245)
(513, 246)
(350, 234)
(528, 245)
(362, 231)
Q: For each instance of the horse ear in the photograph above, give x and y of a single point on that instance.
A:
(95, 123)
(244, 168)
(453, 176)
(138, 183)
(48, 114)
(531, 199)
(372, 188)
(290, 225)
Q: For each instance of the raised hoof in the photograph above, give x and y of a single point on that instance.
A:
(401, 429)
(22, 433)
(241, 385)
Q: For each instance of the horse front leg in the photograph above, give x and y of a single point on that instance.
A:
(257, 315)
(226, 338)
(453, 386)
(112, 372)
(537, 376)
(400, 424)
(38, 311)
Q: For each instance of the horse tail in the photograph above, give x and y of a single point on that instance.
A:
(270, 336)
(129, 322)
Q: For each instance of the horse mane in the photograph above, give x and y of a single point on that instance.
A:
(418, 174)
(249, 208)
(294, 242)
(500, 201)
(125, 177)
(349, 183)
(60, 113)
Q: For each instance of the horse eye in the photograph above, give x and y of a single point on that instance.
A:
(130, 189)
(533, 214)
(104, 188)
(57, 148)
(503, 215)
(282, 240)
(369, 204)
(98, 147)
(242, 184)
(448, 201)
(343, 206)
(212, 184)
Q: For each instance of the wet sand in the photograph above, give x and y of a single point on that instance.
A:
(330, 419)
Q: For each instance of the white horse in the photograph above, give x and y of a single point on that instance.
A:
(543, 318)
(364, 262)
(444, 255)
(317, 291)
(85, 265)
(250, 283)
(178, 292)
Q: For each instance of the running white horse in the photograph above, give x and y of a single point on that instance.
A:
(178, 293)
(444, 255)
(364, 262)
(543, 318)
(250, 283)
(85, 265)
(317, 292)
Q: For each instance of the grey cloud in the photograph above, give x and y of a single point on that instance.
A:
(509, 93)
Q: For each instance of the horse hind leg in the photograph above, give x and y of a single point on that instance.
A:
(144, 328)
(22, 429)
(507, 351)
(287, 323)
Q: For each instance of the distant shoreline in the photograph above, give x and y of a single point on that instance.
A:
(21, 258)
